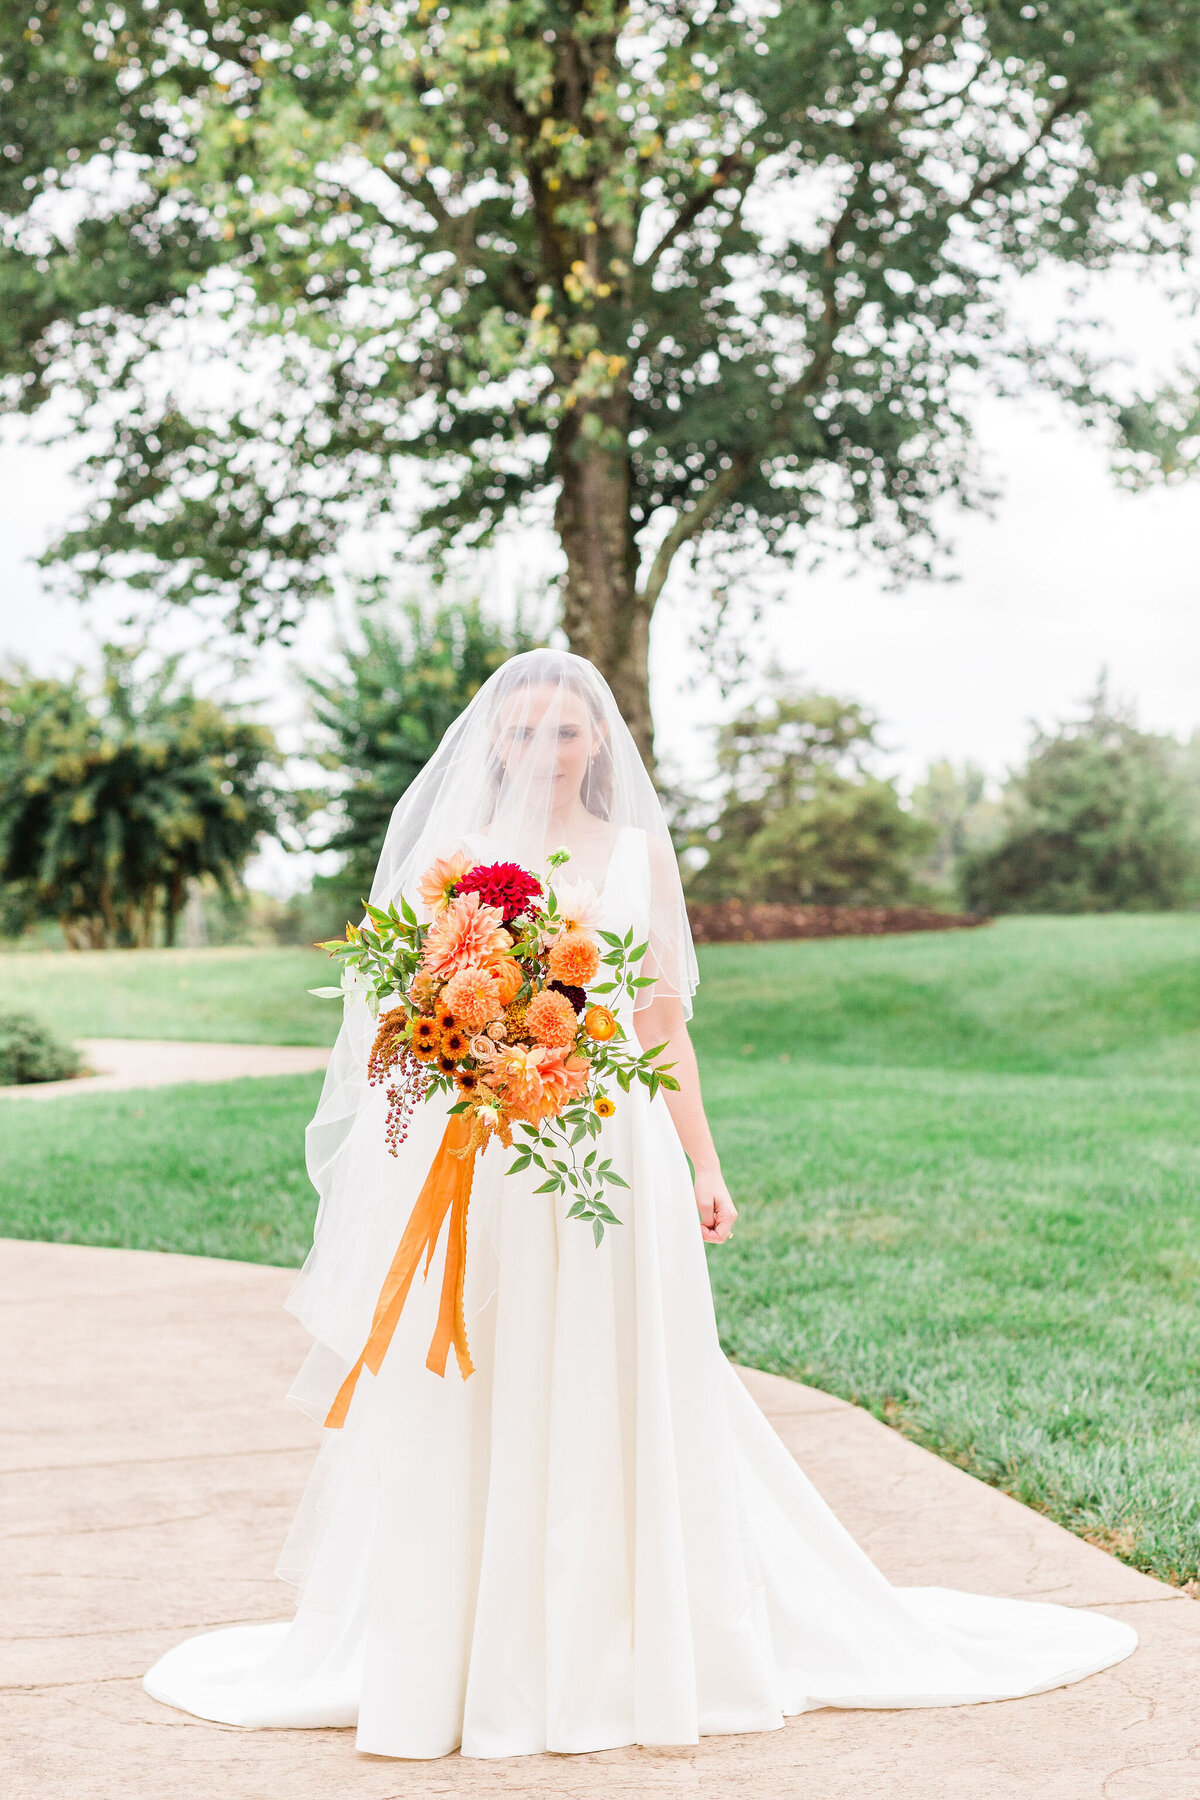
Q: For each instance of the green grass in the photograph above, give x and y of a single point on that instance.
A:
(968, 1165)
(231, 996)
(212, 1169)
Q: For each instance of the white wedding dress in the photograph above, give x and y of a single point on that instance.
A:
(597, 1539)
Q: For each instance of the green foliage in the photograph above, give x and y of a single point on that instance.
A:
(1100, 820)
(801, 818)
(386, 712)
(953, 799)
(29, 1051)
(110, 802)
(693, 269)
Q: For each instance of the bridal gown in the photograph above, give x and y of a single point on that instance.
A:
(597, 1539)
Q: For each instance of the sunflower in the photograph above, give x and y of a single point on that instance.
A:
(466, 1080)
(425, 1039)
(454, 1043)
(604, 1106)
(443, 1015)
(446, 1064)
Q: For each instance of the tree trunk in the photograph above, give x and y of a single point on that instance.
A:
(602, 615)
(172, 907)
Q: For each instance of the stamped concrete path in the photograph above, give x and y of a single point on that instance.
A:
(149, 1470)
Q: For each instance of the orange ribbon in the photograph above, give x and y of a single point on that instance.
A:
(447, 1188)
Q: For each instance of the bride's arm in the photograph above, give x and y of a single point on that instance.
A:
(662, 1022)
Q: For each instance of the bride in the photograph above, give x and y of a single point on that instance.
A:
(597, 1539)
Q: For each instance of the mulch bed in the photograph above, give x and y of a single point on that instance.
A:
(757, 921)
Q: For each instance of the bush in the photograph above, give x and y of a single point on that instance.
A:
(29, 1051)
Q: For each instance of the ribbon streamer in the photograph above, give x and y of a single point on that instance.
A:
(446, 1189)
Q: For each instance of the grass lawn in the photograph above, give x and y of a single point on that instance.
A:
(968, 1165)
(226, 996)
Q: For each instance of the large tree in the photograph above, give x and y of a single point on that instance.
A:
(687, 270)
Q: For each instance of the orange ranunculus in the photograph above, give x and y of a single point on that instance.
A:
(574, 959)
(510, 975)
(600, 1024)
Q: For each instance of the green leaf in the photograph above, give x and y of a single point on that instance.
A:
(616, 1180)
(598, 1231)
(549, 1187)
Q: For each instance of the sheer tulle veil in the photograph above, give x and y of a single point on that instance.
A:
(540, 759)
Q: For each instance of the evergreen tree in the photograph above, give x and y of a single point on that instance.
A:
(1099, 820)
(801, 817)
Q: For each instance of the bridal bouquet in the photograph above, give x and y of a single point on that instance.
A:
(497, 1002)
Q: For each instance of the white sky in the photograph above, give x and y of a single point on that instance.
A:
(1068, 575)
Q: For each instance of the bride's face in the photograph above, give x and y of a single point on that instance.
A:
(546, 736)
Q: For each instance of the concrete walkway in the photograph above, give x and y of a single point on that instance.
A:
(148, 1470)
(152, 1062)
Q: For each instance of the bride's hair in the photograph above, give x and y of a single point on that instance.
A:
(549, 669)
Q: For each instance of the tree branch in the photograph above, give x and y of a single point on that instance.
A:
(691, 210)
(689, 524)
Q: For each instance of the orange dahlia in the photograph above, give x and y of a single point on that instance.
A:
(574, 958)
(466, 933)
(550, 1017)
(473, 996)
(564, 1078)
(437, 884)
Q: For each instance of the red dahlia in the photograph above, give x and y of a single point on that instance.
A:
(506, 885)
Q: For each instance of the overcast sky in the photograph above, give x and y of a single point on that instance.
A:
(1070, 574)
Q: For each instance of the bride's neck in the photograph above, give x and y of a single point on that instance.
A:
(572, 817)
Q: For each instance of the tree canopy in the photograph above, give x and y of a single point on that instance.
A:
(1101, 819)
(801, 816)
(686, 272)
(110, 802)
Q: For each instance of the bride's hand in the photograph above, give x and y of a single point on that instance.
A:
(716, 1209)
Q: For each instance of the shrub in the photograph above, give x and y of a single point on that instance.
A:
(29, 1051)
